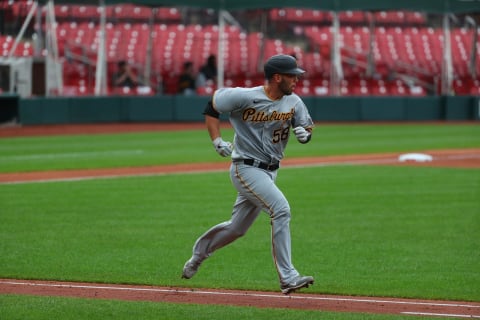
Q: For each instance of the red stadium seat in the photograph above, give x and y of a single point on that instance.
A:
(205, 91)
(86, 12)
(416, 18)
(351, 17)
(168, 15)
(62, 11)
(130, 12)
(390, 17)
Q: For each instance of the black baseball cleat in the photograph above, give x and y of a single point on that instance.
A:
(297, 283)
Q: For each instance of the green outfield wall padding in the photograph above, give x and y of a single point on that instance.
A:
(30, 111)
(476, 108)
(424, 108)
(43, 110)
(189, 108)
(459, 108)
(93, 110)
(382, 109)
(148, 109)
(335, 109)
(54, 111)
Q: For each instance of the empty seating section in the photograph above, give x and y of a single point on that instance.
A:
(172, 45)
(309, 17)
(23, 49)
(403, 44)
(410, 50)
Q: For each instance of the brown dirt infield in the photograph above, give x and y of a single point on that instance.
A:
(258, 299)
(459, 158)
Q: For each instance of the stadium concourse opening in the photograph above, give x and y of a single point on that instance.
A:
(346, 53)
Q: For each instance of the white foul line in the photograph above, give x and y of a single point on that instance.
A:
(442, 315)
(220, 293)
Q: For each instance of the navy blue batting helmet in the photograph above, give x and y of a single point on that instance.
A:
(282, 64)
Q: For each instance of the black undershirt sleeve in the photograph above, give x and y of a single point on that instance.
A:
(209, 110)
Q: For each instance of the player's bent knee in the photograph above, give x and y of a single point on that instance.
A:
(282, 212)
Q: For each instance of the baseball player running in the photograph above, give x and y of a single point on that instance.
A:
(261, 117)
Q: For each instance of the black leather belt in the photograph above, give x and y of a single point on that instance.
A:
(261, 165)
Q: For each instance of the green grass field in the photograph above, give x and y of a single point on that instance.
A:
(154, 148)
(360, 230)
(47, 308)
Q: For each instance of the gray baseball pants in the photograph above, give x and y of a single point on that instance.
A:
(256, 192)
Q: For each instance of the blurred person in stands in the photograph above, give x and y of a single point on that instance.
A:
(125, 77)
(208, 72)
(187, 80)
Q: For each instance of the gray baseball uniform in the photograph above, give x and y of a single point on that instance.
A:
(262, 128)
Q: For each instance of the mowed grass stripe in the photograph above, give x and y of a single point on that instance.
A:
(193, 146)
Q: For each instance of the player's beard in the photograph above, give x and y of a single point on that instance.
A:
(285, 87)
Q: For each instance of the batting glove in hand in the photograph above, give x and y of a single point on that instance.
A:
(302, 134)
(223, 148)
